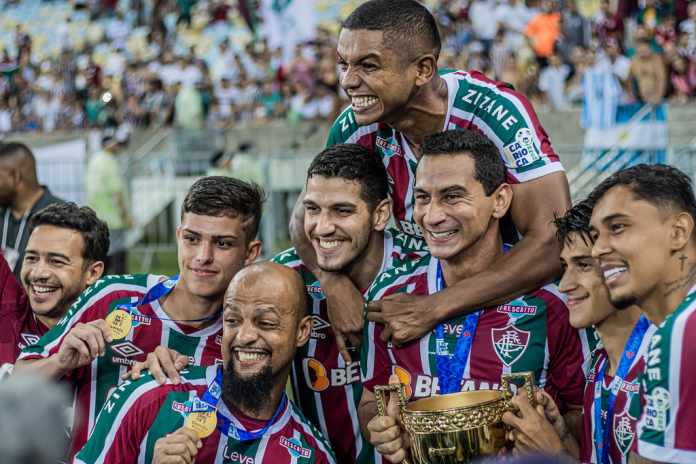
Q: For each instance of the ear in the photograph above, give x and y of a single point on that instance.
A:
(682, 230)
(253, 252)
(304, 329)
(94, 272)
(381, 215)
(502, 199)
(426, 69)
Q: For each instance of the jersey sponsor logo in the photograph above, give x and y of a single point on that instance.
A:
(405, 379)
(653, 359)
(515, 309)
(319, 378)
(318, 324)
(346, 121)
(388, 147)
(295, 448)
(315, 292)
(236, 456)
(656, 409)
(28, 339)
(426, 385)
(509, 343)
(624, 432)
(126, 349)
(181, 408)
(410, 228)
(491, 106)
(522, 152)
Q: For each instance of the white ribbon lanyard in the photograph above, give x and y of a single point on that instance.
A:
(12, 254)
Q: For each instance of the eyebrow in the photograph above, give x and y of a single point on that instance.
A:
(50, 254)
(371, 55)
(614, 216)
(216, 237)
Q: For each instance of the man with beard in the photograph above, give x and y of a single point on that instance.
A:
(65, 254)
(346, 208)
(611, 414)
(461, 196)
(643, 223)
(21, 196)
(387, 56)
(120, 319)
(250, 418)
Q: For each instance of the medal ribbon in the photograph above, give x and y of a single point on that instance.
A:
(603, 428)
(450, 369)
(210, 400)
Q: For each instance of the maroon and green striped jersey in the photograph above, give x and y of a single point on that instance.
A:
(531, 333)
(151, 328)
(473, 102)
(139, 413)
(668, 388)
(326, 388)
(627, 408)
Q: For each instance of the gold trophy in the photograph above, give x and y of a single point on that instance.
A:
(459, 427)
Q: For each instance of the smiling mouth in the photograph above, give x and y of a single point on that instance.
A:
(363, 103)
(444, 235)
(613, 273)
(247, 355)
(43, 290)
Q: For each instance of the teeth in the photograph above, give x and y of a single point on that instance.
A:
(363, 102)
(613, 273)
(42, 289)
(250, 355)
(442, 234)
(329, 243)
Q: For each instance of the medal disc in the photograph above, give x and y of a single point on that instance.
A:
(203, 423)
(119, 323)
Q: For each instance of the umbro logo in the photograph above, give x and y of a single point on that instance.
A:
(30, 339)
(126, 349)
(318, 324)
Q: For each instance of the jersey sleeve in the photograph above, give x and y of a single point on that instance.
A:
(123, 423)
(566, 378)
(346, 130)
(666, 430)
(288, 258)
(13, 302)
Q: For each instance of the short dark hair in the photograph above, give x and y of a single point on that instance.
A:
(13, 148)
(575, 221)
(661, 185)
(400, 20)
(226, 196)
(355, 163)
(83, 219)
(488, 166)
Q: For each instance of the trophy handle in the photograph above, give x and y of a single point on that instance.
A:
(527, 377)
(382, 390)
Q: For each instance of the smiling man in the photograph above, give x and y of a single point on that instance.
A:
(387, 55)
(264, 323)
(65, 254)
(610, 414)
(461, 196)
(643, 223)
(120, 319)
(347, 208)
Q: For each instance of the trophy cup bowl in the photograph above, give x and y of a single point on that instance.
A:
(458, 427)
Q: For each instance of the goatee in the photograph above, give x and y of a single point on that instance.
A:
(248, 394)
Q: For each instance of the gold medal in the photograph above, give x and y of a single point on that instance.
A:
(119, 323)
(203, 423)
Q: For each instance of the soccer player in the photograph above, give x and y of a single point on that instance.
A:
(387, 55)
(265, 321)
(643, 223)
(461, 196)
(64, 255)
(121, 318)
(610, 415)
(347, 208)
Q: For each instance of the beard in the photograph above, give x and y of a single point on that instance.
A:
(623, 302)
(247, 394)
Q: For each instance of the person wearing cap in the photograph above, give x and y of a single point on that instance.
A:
(106, 194)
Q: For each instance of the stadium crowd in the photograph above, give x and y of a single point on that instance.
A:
(163, 75)
(435, 251)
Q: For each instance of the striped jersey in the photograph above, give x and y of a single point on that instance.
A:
(668, 388)
(151, 328)
(139, 413)
(627, 408)
(473, 102)
(531, 333)
(326, 388)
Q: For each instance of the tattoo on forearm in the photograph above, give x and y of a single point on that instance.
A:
(682, 282)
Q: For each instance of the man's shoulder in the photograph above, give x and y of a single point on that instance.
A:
(311, 434)
(146, 390)
(345, 129)
(289, 258)
(402, 275)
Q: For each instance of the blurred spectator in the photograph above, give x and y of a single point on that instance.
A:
(619, 64)
(21, 196)
(543, 31)
(649, 73)
(482, 15)
(681, 80)
(606, 23)
(512, 17)
(106, 195)
(188, 108)
(575, 30)
(688, 26)
(552, 83)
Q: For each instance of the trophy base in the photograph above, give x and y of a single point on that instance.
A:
(458, 447)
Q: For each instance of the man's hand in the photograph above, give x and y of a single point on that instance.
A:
(163, 363)
(405, 317)
(180, 447)
(344, 305)
(532, 430)
(82, 344)
(386, 432)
